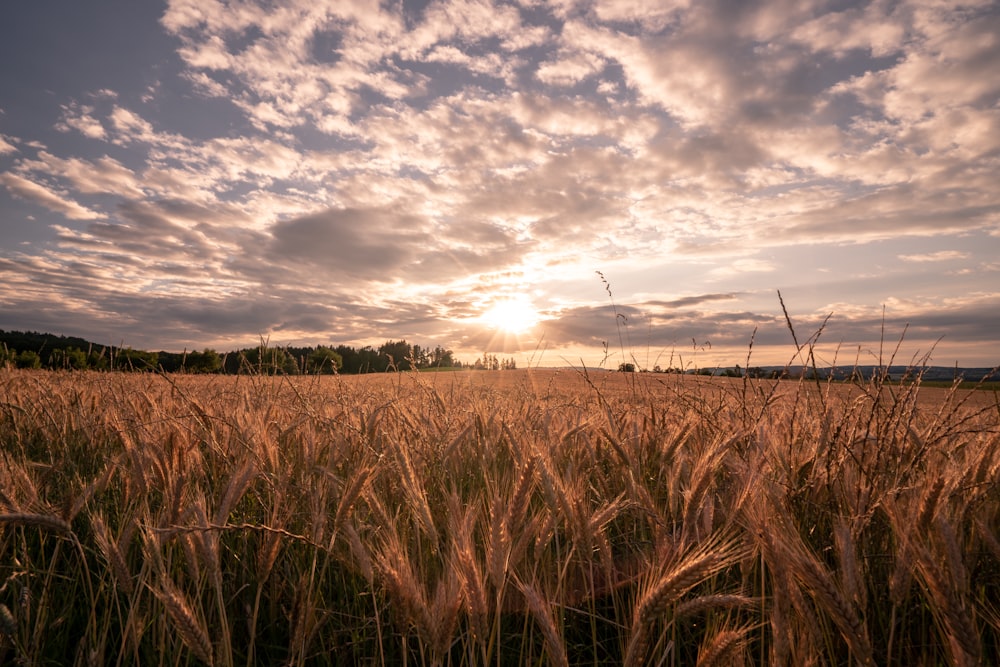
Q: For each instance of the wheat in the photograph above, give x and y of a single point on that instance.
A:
(237, 486)
(360, 553)
(191, 631)
(46, 521)
(542, 613)
(721, 648)
(467, 565)
(349, 498)
(8, 624)
(705, 603)
(872, 518)
(677, 580)
(113, 555)
(820, 584)
(665, 590)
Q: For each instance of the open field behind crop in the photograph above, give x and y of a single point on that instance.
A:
(496, 518)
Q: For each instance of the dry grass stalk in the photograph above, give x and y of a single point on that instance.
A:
(442, 618)
(517, 507)
(677, 580)
(401, 582)
(498, 544)
(929, 505)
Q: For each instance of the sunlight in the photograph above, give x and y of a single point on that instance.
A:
(514, 315)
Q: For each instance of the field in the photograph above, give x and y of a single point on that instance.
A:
(496, 518)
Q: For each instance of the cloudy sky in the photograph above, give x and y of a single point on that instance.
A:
(197, 173)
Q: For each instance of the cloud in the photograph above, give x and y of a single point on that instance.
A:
(58, 202)
(309, 152)
(79, 117)
(102, 176)
(689, 301)
(569, 69)
(366, 244)
(939, 256)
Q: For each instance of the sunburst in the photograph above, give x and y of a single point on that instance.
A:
(514, 315)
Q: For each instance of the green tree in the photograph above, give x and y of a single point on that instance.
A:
(420, 357)
(442, 358)
(128, 359)
(394, 355)
(28, 359)
(268, 360)
(97, 360)
(206, 361)
(324, 360)
(70, 358)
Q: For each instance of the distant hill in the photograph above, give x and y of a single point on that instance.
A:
(56, 351)
(926, 373)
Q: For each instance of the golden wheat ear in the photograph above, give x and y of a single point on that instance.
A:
(191, 630)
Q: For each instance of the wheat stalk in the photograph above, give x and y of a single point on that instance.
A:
(542, 613)
(704, 603)
(191, 631)
(46, 521)
(8, 624)
(665, 590)
(113, 555)
(720, 649)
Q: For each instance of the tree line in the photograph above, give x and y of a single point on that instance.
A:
(39, 350)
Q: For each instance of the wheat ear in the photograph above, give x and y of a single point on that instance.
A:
(191, 631)
(720, 650)
(47, 521)
(542, 613)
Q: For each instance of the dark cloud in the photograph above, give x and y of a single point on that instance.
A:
(688, 301)
(369, 244)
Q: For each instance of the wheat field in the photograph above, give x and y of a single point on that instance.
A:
(496, 518)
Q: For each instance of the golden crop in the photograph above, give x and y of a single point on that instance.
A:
(496, 518)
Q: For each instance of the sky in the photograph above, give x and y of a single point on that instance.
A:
(562, 182)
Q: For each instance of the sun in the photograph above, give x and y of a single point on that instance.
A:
(515, 315)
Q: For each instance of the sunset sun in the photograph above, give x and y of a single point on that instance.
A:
(514, 315)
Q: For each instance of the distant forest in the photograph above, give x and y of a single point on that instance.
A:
(31, 349)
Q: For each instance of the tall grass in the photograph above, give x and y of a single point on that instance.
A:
(525, 517)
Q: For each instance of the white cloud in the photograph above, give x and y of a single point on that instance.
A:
(569, 69)
(6, 146)
(874, 27)
(939, 256)
(80, 118)
(102, 176)
(130, 126)
(58, 202)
